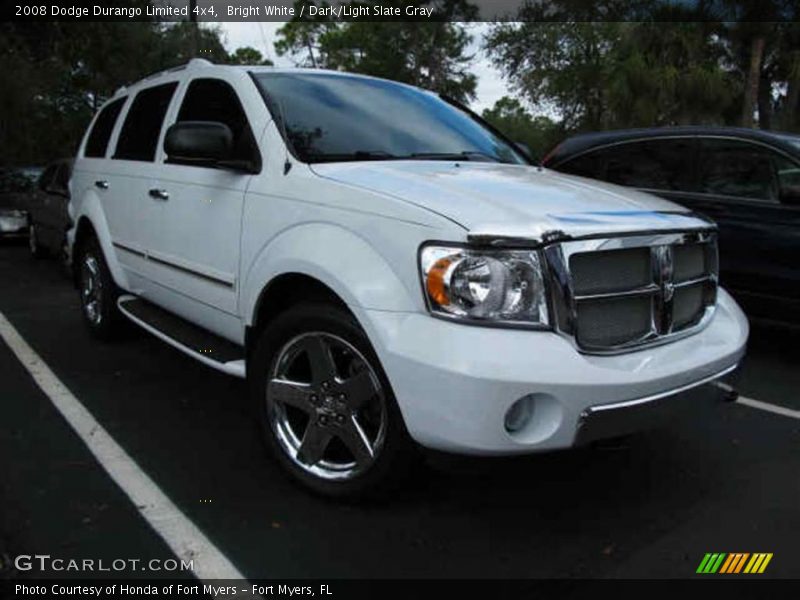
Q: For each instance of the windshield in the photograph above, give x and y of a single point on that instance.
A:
(330, 117)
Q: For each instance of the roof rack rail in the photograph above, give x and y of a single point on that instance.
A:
(192, 64)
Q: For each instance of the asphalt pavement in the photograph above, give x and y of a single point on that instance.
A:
(647, 506)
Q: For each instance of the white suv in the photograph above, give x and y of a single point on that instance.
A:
(388, 271)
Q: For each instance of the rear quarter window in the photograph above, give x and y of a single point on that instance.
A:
(97, 144)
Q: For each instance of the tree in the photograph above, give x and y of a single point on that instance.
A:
(603, 74)
(63, 72)
(515, 122)
(248, 56)
(430, 54)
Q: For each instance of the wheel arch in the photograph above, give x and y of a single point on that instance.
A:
(92, 222)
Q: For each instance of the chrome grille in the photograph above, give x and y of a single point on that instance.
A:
(614, 294)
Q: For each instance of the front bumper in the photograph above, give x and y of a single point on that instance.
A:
(455, 383)
(609, 420)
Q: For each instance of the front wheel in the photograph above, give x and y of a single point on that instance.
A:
(325, 405)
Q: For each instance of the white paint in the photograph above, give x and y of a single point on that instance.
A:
(772, 408)
(176, 529)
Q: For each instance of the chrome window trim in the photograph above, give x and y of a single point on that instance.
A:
(564, 301)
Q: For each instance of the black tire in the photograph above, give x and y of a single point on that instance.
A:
(36, 249)
(105, 322)
(393, 457)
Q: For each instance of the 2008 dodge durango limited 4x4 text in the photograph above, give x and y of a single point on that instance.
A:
(388, 271)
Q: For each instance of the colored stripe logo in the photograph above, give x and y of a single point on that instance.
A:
(734, 563)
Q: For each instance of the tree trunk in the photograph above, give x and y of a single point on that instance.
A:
(789, 118)
(765, 103)
(752, 80)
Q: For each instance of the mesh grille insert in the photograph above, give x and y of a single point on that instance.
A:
(610, 270)
(689, 261)
(615, 321)
(687, 306)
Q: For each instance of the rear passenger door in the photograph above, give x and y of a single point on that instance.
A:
(133, 212)
(195, 248)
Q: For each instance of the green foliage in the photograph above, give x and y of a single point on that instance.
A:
(635, 69)
(423, 53)
(516, 123)
(62, 72)
(248, 56)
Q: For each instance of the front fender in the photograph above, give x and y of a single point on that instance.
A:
(337, 257)
(91, 209)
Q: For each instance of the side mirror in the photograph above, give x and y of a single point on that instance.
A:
(199, 142)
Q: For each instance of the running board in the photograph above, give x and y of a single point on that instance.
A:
(211, 350)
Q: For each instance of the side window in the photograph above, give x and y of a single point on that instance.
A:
(788, 180)
(62, 177)
(585, 165)
(736, 168)
(215, 100)
(97, 143)
(46, 178)
(139, 136)
(654, 164)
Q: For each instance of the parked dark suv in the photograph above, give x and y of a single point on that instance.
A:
(748, 181)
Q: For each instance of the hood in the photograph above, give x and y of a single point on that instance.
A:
(513, 200)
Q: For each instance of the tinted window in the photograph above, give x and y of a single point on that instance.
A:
(47, 177)
(215, 100)
(734, 168)
(788, 180)
(585, 165)
(341, 117)
(61, 181)
(655, 164)
(97, 143)
(139, 136)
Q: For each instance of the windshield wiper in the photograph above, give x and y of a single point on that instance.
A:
(464, 155)
(357, 155)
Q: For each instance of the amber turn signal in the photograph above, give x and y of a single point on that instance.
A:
(435, 283)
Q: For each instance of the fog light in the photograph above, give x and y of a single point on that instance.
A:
(519, 415)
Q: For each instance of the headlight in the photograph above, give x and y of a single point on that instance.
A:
(492, 286)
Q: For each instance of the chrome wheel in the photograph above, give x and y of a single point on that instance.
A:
(91, 289)
(326, 406)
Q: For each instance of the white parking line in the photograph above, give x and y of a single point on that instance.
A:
(181, 535)
(773, 408)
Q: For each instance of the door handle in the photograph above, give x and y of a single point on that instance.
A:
(102, 184)
(159, 194)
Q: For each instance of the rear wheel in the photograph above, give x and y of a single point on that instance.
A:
(98, 293)
(325, 406)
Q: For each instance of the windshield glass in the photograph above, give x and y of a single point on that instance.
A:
(330, 117)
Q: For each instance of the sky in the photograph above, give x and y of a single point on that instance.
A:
(261, 36)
